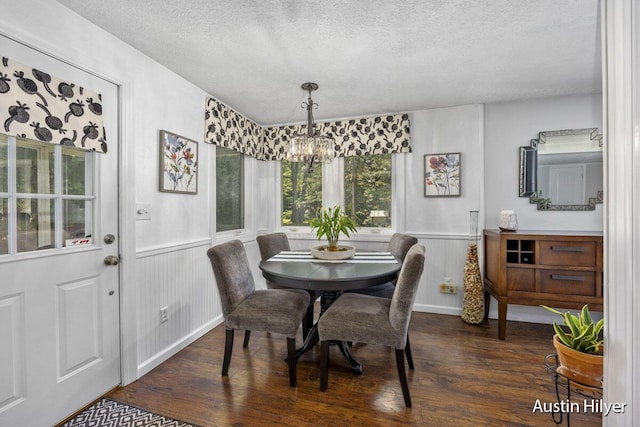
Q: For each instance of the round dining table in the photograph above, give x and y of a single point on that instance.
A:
(300, 270)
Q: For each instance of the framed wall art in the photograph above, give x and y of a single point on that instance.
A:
(178, 164)
(442, 175)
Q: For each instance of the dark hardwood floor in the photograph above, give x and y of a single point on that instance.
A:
(464, 376)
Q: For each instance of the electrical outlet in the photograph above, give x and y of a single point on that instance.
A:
(448, 288)
(164, 314)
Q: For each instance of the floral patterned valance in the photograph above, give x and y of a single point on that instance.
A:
(230, 129)
(36, 105)
(355, 137)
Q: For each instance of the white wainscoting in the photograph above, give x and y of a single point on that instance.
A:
(445, 256)
(178, 277)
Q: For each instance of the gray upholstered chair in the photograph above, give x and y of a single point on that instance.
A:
(272, 244)
(399, 245)
(271, 310)
(374, 320)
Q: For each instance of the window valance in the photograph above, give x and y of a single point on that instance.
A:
(355, 137)
(38, 106)
(230, 129)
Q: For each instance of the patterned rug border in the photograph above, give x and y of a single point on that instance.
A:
(108, 412)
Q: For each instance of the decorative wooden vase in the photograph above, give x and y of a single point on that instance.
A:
(584, 368)
(473, 305)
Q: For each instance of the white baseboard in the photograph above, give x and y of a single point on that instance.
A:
(153, 362)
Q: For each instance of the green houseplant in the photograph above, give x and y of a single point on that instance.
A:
(330, 224)
(580, 348)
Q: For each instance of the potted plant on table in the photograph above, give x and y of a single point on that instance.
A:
(580, 351)
(330, 224)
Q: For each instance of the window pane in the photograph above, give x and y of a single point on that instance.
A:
(4, 177)
(34, 167)
(367, 189)
(4, 226)
(301, 193)
(77, 219)
(35, 224)
(229, 189)
(73, 171)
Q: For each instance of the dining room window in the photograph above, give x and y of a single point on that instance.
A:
(361, 184)
(229, 189)
(367, 190)
(301, 193)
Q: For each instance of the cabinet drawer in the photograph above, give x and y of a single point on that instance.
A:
(567, 282)
(575, 254)
(521, 279)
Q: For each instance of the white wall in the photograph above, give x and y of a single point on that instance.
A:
(511, 125)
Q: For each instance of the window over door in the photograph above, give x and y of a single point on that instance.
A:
(229, 189)
(46, 195)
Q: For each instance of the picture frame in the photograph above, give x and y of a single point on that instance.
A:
(178, 164)
(442, 175)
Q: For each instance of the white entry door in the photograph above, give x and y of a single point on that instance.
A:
(59, 300)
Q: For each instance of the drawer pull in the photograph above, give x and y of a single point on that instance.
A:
(568, 248)
(565, 277)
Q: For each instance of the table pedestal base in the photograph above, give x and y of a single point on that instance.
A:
(326, 299)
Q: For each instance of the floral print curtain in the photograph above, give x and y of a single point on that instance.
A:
(38, 106)
(230, 129)
(356, 137)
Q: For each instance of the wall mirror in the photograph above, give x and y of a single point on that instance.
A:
(562, 170)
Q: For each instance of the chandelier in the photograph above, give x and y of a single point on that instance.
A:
(310, 147)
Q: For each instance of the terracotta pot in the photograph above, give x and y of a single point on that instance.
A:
(583, 368)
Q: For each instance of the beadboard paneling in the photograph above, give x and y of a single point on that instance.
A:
(180, 278)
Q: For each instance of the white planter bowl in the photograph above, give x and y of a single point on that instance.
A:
(322, 252)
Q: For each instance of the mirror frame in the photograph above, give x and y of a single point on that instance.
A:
(529, 171)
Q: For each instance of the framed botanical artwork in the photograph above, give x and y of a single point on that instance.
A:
(442, 175)
(178, 164)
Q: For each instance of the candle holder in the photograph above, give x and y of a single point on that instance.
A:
(473, 302)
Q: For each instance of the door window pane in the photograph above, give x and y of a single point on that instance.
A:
(229, 189)
(34, 213)
(4, 226)
(77, 219)
(73, 171)
(4, 169)
(367, 189)
(301, 193)
(35, 224)
(34, 167)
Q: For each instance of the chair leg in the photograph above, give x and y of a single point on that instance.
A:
(291, 357)
(407, 351)
(247, 335)
(403, 377)
(324, 365)
(228, 348)
(307, 321)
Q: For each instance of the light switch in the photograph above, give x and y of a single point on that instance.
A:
(143, 211)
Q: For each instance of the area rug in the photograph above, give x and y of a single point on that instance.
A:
(110, 413)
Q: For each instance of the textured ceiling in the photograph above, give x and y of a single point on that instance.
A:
(368, 56)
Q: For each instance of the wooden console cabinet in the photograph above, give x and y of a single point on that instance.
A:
(558, 269)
